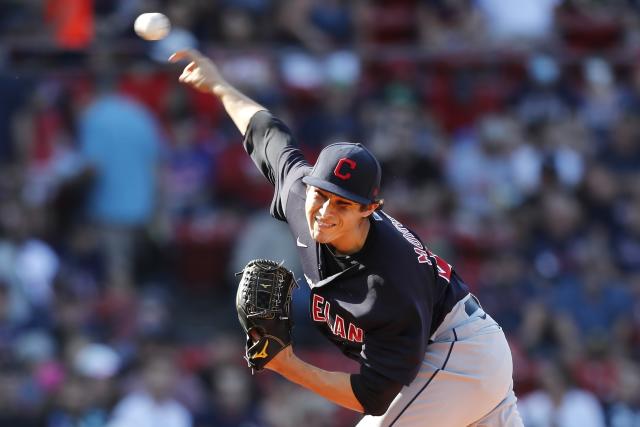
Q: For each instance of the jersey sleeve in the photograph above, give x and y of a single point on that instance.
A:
(374, 392)
(274, 151)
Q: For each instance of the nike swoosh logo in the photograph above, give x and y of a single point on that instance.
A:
(309, 281)
(299, 243)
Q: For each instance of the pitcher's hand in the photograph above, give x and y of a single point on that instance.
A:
(201, 73)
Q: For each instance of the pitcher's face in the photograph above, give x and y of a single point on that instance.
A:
(332, 219)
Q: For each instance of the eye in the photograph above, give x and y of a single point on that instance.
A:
(319, 195)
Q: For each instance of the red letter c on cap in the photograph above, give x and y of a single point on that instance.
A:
(338, 170)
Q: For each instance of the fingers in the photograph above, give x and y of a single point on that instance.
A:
(255, 335)
(188, 54)
(200, 73)
(188, 77)
(188, 71)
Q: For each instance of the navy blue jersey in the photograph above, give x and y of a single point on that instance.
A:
(380, 305)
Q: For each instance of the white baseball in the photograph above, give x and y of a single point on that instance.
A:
(152, 26)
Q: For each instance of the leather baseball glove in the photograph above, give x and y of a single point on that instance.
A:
(263, 302)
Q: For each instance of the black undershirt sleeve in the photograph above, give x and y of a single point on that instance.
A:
(374, 391)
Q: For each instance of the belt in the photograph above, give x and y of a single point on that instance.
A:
(471, 305)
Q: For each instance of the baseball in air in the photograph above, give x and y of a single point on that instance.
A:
(152, 26)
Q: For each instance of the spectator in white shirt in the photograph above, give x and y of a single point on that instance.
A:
(558, 403)
(154, 405)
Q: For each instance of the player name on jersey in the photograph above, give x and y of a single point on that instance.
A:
(424, 254)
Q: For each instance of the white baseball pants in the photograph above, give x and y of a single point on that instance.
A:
(465, 379)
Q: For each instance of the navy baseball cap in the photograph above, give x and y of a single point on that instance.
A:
(348, 170)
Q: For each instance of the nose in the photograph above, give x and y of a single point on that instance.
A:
(325, 207)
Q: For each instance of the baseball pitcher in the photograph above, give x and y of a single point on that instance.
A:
(429, 354)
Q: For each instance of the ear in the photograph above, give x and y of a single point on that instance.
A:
(370, 208)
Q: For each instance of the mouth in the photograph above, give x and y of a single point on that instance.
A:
(322, 224)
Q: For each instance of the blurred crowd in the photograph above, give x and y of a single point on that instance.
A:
(509, 138)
